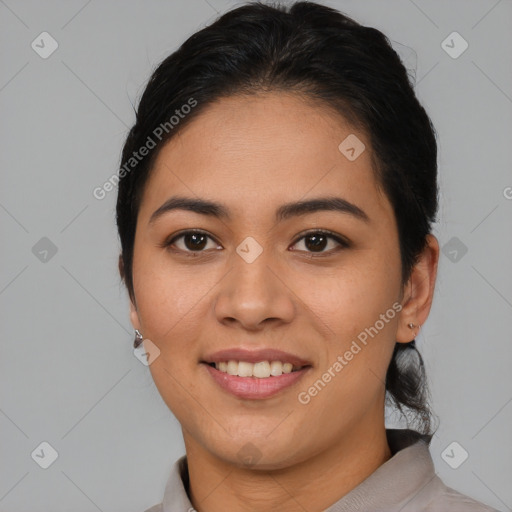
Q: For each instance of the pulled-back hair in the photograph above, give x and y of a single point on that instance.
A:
(324, 56)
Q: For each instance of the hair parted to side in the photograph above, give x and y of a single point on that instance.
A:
(326, 57)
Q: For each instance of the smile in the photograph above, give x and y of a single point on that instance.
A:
(260, 370)
(254, 387)
(254, 374)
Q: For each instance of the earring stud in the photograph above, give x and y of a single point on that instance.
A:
(138, 338)
(412, 326)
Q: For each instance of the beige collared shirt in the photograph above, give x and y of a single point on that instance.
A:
(407, 482)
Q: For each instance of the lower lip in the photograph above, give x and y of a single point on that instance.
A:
(253, 388)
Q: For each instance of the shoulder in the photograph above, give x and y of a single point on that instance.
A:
(450, 499)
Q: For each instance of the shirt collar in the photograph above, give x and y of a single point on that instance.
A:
(396, 482)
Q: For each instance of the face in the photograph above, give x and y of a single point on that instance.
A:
(248, 280)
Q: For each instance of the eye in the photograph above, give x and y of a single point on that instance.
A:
(192, 241)
(317, 241)
(196, 241)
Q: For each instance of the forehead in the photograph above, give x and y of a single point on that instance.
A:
(249, 151)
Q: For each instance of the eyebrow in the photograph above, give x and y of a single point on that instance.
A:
(286, 211)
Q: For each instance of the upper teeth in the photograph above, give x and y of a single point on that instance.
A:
(260, 370)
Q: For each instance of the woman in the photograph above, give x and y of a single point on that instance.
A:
(275, 208)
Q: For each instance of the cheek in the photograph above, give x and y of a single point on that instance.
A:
(352, 296)
(352, 379)
(170, 299)
(359, 305)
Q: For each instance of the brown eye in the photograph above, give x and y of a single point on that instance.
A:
(318, 241)
(195, 241)
(192, 241)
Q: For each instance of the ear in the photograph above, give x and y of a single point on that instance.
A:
(134, 316)
(419, 292)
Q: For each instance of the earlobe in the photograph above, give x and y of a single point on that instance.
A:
(419, 292)
(134, 316)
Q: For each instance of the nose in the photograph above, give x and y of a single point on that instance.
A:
(254, 295)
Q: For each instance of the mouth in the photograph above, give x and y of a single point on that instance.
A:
(259, 370)
(255, 375)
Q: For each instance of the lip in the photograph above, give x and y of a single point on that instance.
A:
(253, 388)
(255, 356)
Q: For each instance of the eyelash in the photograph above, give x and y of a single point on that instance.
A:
(344, 244)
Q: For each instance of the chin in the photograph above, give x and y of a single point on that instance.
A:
(258, 452)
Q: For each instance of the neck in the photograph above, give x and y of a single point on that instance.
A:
(314, 484)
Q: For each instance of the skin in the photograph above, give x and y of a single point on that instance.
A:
(252, 154)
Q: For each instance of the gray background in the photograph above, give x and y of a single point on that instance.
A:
(68, 373)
